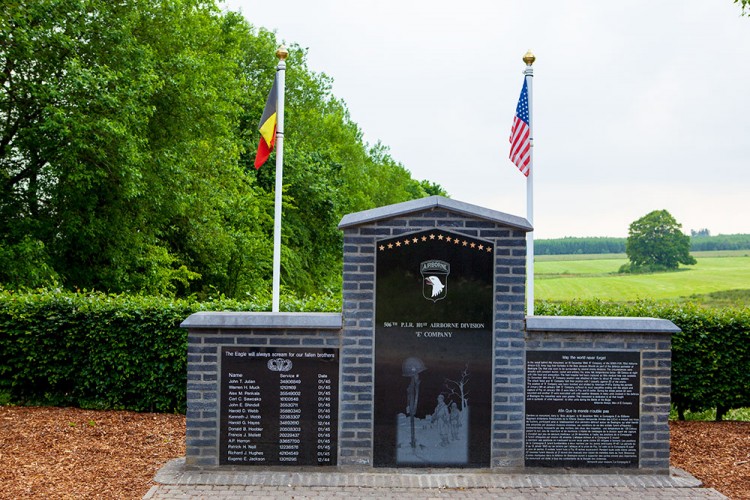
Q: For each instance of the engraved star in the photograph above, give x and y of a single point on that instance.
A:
(449, 239)
(456, 242)
(382, 247)
(415, 240)
(473, 244)
(440, 237)
(424, 238)
(481, 247)
(465, 242)
(398, 243)
(390, 245)
(432, 236)
(489, 249)
(406, 242)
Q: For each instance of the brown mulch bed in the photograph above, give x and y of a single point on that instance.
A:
(71, 453)
(717, 453)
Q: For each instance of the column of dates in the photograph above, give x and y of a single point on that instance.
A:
(325, 430)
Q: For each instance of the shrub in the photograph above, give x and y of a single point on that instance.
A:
(94, 350)
(710, 355)
(631, 268)
(128, 352)
(105, 351)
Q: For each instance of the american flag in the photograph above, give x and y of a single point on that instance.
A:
(520, 141)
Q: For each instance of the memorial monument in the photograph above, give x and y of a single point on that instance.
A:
(431, 363)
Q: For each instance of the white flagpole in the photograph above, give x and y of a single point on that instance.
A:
(529, 59)
(282, 54)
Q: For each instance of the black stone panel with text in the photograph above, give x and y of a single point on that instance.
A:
(433, 350)
(582, 408)
(279, 406)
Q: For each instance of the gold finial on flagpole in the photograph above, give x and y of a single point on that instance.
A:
(281, 52)
(529, 58)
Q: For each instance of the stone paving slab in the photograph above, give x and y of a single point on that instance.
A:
(177, 481)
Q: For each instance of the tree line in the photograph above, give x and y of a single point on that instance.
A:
(602, 245)
(127, 138)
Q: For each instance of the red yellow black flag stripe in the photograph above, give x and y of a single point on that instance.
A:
(267, 127)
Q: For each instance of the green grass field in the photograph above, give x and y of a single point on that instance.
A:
(719, 278)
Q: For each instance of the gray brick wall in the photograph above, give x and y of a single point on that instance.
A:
(357, 352)
(653, 343)
(204, 347)
(353, 333)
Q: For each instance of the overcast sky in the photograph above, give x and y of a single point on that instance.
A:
(637, 106)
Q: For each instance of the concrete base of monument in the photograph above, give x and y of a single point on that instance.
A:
(175, 479)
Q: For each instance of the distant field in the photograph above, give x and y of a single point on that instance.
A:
(719, 276)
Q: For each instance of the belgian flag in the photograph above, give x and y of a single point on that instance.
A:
(267, 127)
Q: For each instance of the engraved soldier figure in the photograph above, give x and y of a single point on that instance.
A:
(455, 419)
(442, 418)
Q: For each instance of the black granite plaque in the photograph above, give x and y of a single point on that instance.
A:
(433, 350)
(278, 406)
(582, 408)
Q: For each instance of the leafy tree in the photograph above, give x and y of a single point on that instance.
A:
(745, 5)
(117, 140)
(26, 265)
(579, 245)
(700, 233)
(432, 188)
(721, 242)
(127, 134)
(655, 241)
(701, 240)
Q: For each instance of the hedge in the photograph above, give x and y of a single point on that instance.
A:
(710, 356)
(103, 351)
(127, 352)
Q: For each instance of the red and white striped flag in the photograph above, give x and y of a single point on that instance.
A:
(520, 143)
